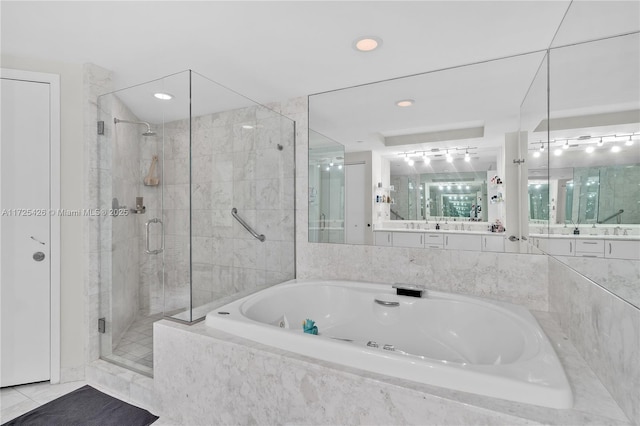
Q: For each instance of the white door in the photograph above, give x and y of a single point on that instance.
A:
(25, 229)
(355, 202)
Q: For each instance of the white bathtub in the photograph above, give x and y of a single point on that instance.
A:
(458, 342)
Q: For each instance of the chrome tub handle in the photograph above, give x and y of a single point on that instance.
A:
(386, 303)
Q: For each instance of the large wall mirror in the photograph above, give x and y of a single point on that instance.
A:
(425, 152)
(438, 150)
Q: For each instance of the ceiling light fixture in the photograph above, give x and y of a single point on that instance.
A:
(541, 146)
(566, 144)
(536, 154)
(557, 152)
(629, 142)
(448, 157)
(367, 43)
(615, 148)
(411, 163)
(403, 103)
(426, 159)
(406, 158)
(589, 150)
(163, 96)
(467, 157)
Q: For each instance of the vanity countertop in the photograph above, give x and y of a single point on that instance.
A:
(588, 237)
(437, 231)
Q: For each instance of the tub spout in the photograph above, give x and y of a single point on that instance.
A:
(413, 290)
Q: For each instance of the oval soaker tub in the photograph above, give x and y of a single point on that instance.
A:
(458, 342)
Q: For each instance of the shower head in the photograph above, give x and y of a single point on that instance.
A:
(147, 133)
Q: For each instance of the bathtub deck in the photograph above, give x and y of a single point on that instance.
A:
(204, 375)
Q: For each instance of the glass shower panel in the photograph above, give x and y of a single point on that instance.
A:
(179, 156)
(131, 153)
(242, 195)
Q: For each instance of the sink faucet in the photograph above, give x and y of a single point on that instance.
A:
(616, 230)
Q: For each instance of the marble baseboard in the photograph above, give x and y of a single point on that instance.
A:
(72, 374)
(204, 376)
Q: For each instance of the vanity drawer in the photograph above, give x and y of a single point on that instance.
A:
(433, 240)
(590, 248)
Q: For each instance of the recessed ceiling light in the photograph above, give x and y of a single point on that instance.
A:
(405, 103)
(163, 96)
(367, 43)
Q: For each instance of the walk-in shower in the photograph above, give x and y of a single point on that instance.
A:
(178, 250)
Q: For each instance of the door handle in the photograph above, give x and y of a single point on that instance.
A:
(38, 256)
(161, 249)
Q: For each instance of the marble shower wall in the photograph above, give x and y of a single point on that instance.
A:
(605, 330)
(235, 162)
(125, 178)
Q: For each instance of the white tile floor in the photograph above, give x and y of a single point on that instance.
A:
(135, 349)
(17, 400)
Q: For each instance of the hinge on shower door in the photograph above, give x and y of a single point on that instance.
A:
(518, 161)
(102, 325)
(101, 127)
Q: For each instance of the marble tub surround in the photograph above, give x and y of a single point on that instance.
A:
(604, 328)
(205, 376)
(515, 278)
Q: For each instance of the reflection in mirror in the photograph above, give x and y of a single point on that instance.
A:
(434, 196)
(326, 189)
(456, 131)
(594, 161)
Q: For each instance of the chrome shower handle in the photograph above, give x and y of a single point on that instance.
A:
(161, 249)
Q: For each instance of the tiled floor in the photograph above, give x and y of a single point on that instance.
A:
(17, 400)
(135, 349)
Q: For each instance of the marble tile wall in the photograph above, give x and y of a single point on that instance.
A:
(96, 229)
(605, 330)
(125, 179)
(235, 162)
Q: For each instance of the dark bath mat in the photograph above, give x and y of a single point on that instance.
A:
(85, 407)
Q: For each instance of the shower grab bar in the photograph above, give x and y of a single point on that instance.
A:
(616, 215)
(161, 249)
(234, 213)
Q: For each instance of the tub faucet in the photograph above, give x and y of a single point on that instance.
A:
(413, 290)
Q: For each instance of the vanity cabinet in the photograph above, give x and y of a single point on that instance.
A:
(433, 240)
(493, 243)
(622, 249)
(408, 239)
(560, 246)
(383, 238)
(589, 248)
(462, 242)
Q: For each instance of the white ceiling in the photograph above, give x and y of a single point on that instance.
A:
(271, 51)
